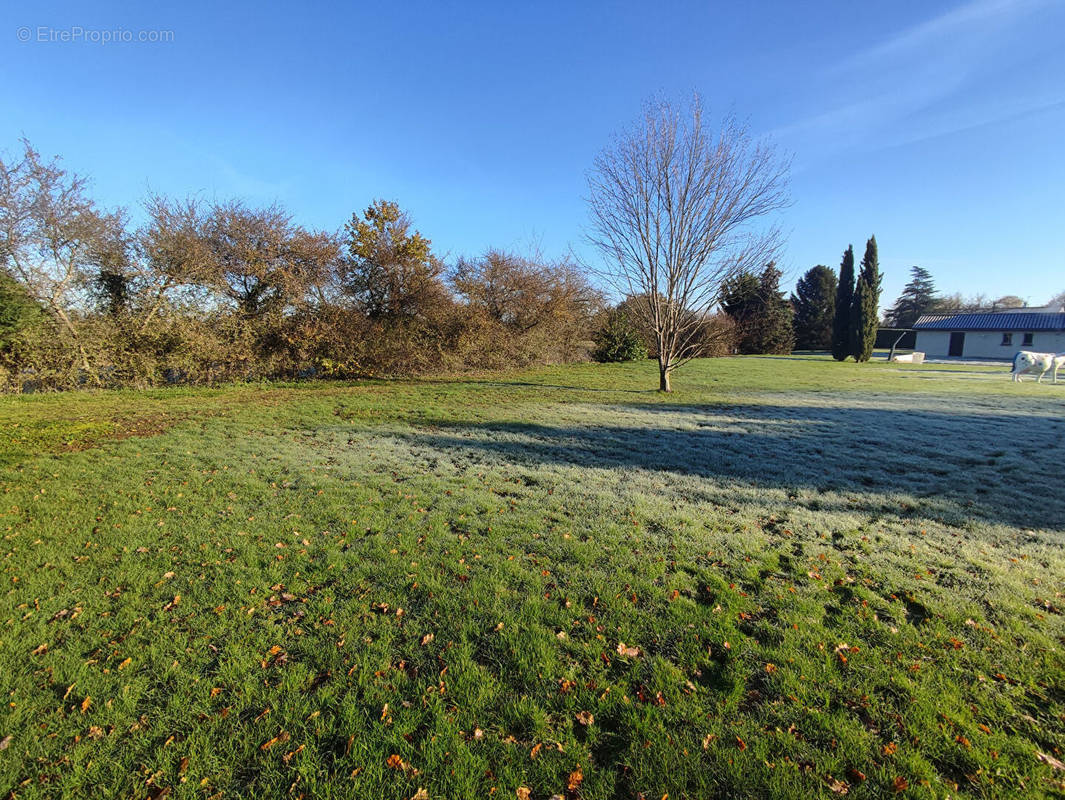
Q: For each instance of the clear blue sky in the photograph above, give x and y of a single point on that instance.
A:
(940, 127)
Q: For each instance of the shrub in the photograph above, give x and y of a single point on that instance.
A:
(618, 338)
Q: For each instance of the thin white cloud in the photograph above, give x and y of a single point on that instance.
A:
(878, 91)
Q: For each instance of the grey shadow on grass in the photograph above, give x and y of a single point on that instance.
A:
(995, 467)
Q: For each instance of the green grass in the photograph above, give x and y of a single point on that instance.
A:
(835, 576)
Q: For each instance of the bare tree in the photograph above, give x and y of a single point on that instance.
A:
(52, 237)
(673, 210)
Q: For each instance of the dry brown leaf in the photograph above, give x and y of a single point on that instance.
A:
(5, 742)
(85, 704)
(630, 652)
(900, 784)
(573, 783)
(585, 717)
(836, 786)
(281, 737)
(427, 638)
(536, 750)
(421, 794)
(39, 650)
(395, 762)
(523, 793)
(173, 603)
(125, 663)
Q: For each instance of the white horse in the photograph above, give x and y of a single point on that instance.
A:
(1027, 361)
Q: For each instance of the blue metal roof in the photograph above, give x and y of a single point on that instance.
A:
(990, 321)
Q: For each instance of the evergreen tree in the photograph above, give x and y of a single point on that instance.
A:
(918, 298)
(814, 302)
(618, 339)
(776, 329)
(841, 321)
(763, 317)
(865, 304)
(741, 299)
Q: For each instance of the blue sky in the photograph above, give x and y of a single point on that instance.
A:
(940, 127)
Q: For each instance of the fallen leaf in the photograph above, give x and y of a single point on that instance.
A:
(125, 663)
(1050, 760)
(281, 737)
(536, 750)
(39, 650)
(421, 794)
(856, 775)
(173, 603)
(426, 639)
(395, 762)
(836, 786)
(5, 742)
(630, 652)
(96, 732)
(740, 743)
(523, 793)
(573, 783)
(900, 784)
(585, 718)
(85, 704)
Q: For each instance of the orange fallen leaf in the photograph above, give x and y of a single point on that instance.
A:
(523, 793)
(573, 783)
(585, 717)
(395, 762)
(536, 750)
(740, 743)
(125, 663)
(281, 737)
(85, 704)
(900, 784)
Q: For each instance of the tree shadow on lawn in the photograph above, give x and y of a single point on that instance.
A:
(961, 464)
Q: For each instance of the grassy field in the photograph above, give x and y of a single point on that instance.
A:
(791, 578)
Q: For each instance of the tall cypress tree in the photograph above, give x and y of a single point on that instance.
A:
(841, 322)
(865, 304)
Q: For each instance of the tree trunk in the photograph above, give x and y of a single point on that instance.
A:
(663, 378)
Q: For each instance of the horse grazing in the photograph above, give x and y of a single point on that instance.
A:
(1027, 361)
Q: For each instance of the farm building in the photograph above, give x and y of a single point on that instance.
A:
(991, 334)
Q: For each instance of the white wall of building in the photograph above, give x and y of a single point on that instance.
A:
(988, 344)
